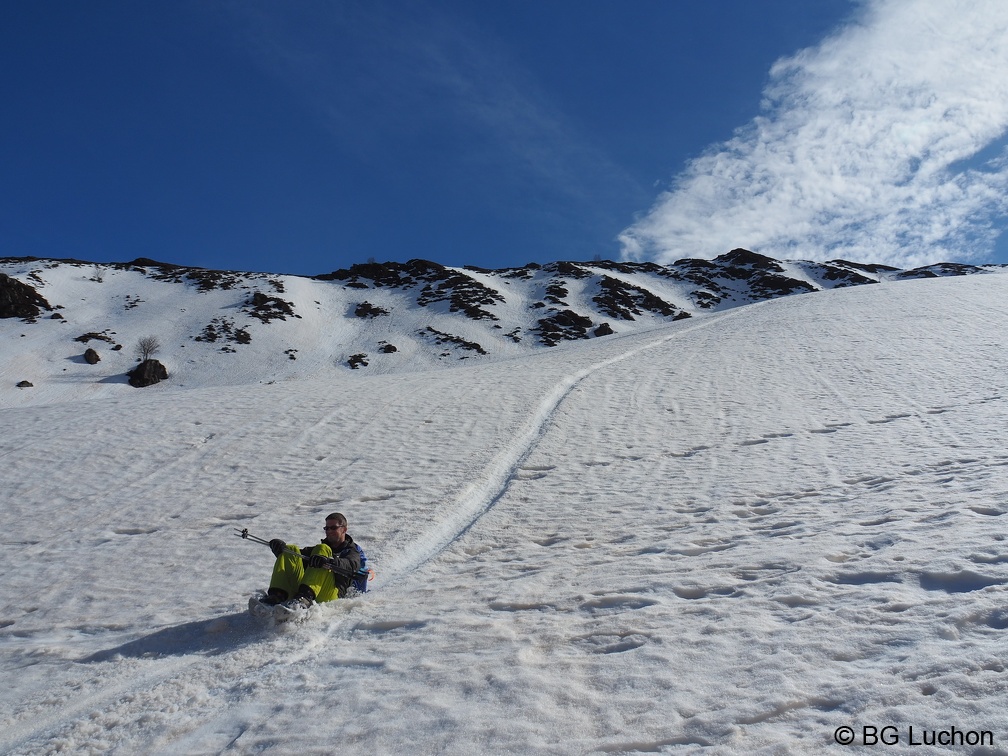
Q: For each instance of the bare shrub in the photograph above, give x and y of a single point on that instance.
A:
(147, 347)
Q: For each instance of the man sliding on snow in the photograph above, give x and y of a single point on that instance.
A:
(321, 573)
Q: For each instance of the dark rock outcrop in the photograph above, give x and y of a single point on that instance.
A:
(368, 310)
(19, 300)
(91, 335)
(147, 373)
(225, 330)
(446, 339)
(941, 270)
(267, 308)
(439, 284)
(565, 325)
(622, 300)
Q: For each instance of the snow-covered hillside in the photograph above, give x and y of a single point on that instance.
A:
(225, 328)
(741, 531)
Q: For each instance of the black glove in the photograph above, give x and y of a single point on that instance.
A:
(277, 546)
(318, 561)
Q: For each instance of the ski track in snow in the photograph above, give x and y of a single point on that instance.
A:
(491, 485)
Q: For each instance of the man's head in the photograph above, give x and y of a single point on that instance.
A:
(335, 528)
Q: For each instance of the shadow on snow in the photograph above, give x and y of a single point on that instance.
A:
(208, 637)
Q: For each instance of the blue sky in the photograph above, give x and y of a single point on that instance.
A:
(300, 137)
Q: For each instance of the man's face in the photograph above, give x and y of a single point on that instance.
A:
(335, 532)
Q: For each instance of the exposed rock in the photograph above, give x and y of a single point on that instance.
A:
(441, 339)
(205, 280)
(764, 285)
(622, 300)
(941, 269)
(357, 360)
(381, 275)
(19, 300)
(91, 357)
(568, 269)
(604, 330)
(565, 325)
(557, 293)
(103, 336)
(463, 293)
(634, 268)
(744, 258)
(705, 299)
(225, 330)
(701, 273)
(840, 275)
(368, 310)
(523, 273)
(25, 384)
(147, 373)
(869, 267)
(267, 308)
(389, 348)
(765, 277)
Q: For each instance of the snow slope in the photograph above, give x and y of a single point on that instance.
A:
(227, 328)
(736, 532)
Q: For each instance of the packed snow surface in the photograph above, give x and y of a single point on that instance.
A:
(740, 531)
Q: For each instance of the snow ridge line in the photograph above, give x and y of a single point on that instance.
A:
(481, 496)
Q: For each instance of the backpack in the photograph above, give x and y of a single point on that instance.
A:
(363, 575)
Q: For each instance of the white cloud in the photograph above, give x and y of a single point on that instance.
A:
(869, 146)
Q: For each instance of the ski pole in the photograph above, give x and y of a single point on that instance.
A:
(243, 533)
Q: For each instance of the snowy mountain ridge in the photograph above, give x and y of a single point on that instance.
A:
(231, 328)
